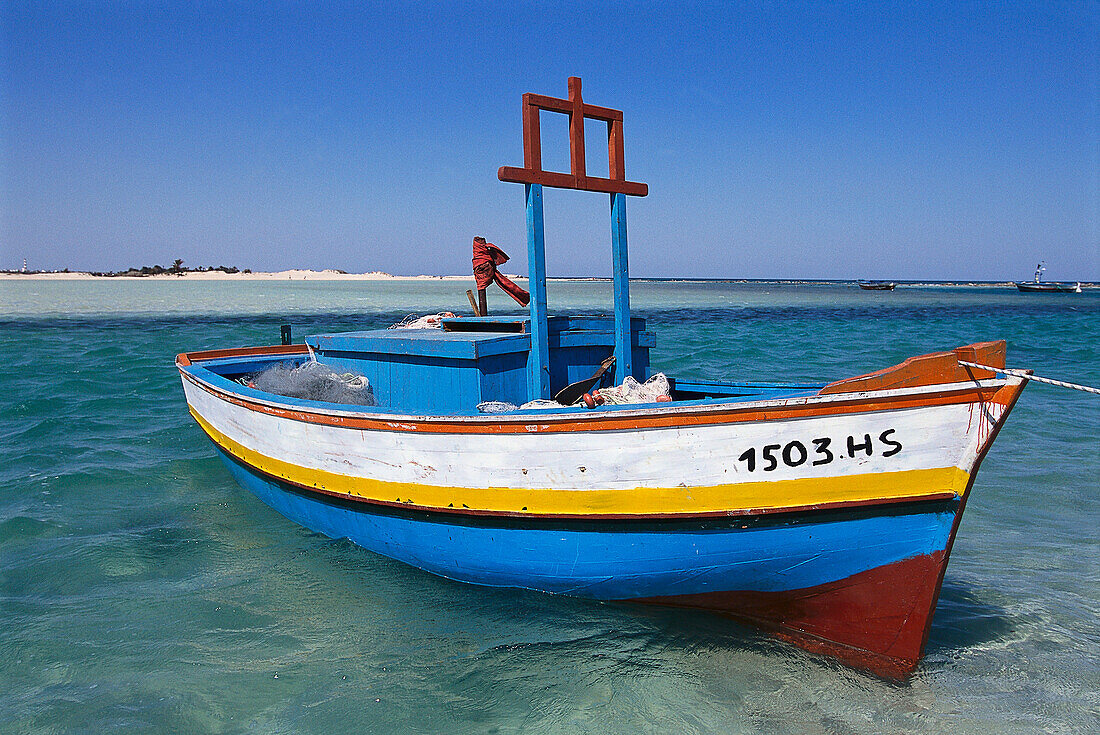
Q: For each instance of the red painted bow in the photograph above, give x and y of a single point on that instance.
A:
(487, 257)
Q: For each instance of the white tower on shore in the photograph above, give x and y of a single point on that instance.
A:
(24, 266)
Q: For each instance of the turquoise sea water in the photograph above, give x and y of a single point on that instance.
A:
(142, 590)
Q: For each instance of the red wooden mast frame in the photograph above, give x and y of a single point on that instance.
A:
(532, 171)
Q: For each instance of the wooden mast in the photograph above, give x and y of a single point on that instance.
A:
(616, 186)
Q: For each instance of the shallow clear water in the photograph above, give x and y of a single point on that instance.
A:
(142, 589)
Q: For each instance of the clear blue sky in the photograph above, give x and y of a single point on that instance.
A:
(957, 141)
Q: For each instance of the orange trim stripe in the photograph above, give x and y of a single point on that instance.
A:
(600, 421)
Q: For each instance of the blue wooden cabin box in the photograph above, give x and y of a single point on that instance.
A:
(470, 360)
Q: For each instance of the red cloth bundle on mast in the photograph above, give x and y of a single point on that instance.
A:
(487, 257)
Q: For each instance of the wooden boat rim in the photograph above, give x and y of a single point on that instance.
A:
(722, 409)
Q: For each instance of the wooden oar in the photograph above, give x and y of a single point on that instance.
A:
(473, 304)
(571, 393)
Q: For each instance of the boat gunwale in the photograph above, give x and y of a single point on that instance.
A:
(187, 364)
(662, 415)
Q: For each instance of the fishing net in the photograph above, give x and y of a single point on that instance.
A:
(631, 391)
(314, 381)
(654, 390)
(431, 321)
(503, 406)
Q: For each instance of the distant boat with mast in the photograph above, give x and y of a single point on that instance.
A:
(1049, 286)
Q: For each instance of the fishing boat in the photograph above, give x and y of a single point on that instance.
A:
(877, 285)
(821, 512)
(1038, 286)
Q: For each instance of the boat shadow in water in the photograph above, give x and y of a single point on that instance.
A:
(964, 619)
(492, 621)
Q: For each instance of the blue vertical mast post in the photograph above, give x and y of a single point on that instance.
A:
(623, 353)
(533, 177)
(538, 359)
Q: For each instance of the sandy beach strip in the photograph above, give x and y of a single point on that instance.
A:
(215, 275)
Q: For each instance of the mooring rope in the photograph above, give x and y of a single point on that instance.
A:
(1027, 374)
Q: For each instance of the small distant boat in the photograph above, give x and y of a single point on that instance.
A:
(877, 285)
(1049, 286)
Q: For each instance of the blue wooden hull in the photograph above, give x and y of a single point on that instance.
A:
(622, 560)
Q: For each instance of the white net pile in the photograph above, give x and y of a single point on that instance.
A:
(315, 382)
(503, 406)
(431, 321)
(631, 391)
(654, 390)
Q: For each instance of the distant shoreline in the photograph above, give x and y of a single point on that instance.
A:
(335, 275)
(216, 275)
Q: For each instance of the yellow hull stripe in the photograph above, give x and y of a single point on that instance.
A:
(642, 501)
